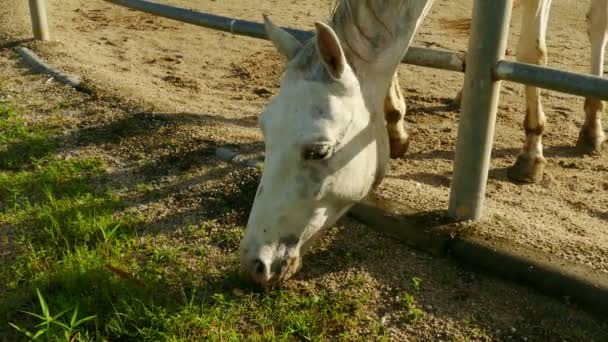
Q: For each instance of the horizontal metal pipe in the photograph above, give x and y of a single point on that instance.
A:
(435, 58)
(432, 58)
(548, 78)
(217, 22)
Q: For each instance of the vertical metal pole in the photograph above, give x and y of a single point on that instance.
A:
(487, 45)
(40, 24)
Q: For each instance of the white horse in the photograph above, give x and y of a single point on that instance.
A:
(339, 116)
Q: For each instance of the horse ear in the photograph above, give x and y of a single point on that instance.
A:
(287, 44)
(330, 50)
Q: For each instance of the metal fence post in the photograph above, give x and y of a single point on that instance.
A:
(40, 24)
(487, 45)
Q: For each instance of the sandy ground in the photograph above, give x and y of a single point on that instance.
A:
(186, 185)
(174, 67)
(165, 66)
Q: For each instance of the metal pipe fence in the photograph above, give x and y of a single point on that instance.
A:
(432, 58)
(480, 95)
(40, 25)
(549, 78)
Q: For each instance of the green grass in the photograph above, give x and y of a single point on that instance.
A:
(412, 311)
(236, 316)
(79, 269)
(21, 144)
(49, 322)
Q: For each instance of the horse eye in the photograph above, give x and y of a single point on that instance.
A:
(317, 152)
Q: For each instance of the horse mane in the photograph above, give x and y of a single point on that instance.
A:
(344, 18)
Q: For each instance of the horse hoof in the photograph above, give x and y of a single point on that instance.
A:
(527, 170)
(589, 143)
(398, 147)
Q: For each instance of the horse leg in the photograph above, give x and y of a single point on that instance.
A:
(592, 135)
(530, 164)
(394, 111)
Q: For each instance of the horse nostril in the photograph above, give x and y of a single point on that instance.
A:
(259, 268)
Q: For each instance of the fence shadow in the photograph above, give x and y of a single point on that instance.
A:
(247, 122)
(11, 44)
(600, 215)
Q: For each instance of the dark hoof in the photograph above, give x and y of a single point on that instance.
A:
(399, 147)
(589, 143)
(526, 170)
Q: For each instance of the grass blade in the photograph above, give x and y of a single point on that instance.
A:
(83, 320)
(54, 318)
(38, 334)
(74, 316)
(43, 305)
(33, 314)
(18, 328)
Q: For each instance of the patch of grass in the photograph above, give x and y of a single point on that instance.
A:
(75, 253)
(60, 177)
(57, 205)
(416, 283)
(474, 331)
(20, 143)
(50, 322)
(225, 236)
(55, 212)
(78, 280)
(412, 312)
(60, 219)
(238, 316)
(226, 310)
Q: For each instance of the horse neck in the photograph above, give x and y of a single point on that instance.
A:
(375, 35)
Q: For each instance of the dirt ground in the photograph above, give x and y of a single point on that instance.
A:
(174, 68)
(170, 67)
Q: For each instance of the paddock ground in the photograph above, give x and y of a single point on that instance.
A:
(186, 209)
